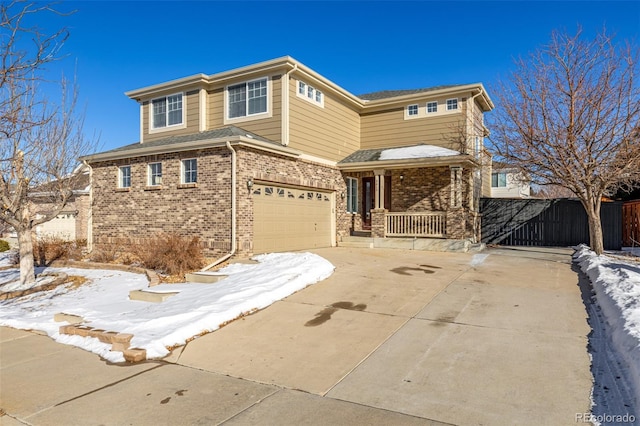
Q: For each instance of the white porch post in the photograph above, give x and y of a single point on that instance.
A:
(379, 174)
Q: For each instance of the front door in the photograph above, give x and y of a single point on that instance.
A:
(368, 201)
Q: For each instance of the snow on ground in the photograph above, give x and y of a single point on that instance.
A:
(418, 151)
(104, 302)
(615, 341)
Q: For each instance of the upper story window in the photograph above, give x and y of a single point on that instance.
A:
(310, 93)
(432, 107)
(248, 98)
(412, 110)
(498, 180)
(167, 111)
(124, 177)
(189, 171)
(452, 104)
(155, 174)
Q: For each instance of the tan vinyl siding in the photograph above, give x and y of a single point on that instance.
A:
(269, 127)
(191, 118)
(331, 132)
(388, 129)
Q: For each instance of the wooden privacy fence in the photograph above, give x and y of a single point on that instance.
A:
(556, 222)
(631, 223)
(419, 224)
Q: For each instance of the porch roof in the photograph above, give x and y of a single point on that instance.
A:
(414, 156)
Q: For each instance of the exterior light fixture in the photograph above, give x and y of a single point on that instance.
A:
(249, 183)
(401, 178)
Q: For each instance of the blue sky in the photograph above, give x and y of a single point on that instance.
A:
(362, 46)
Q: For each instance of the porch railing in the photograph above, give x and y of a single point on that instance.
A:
(418, 224)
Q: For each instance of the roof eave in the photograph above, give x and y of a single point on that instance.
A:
(411, 163)
(403, 99)
(190, 146)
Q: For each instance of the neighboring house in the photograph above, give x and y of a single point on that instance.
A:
(508, 182)
(275, 157)
(72, 222)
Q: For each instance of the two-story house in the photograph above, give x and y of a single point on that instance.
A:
(276, 157)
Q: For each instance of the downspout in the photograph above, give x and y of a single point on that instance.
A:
(90, 209)
(233, 212)
(285, 105)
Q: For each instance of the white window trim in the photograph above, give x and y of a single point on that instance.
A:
(182, 170)
(305, 96)
(249, 117)
(149, 174)
(167, 128)
(120, 176)
(457, 104)
(426, 107)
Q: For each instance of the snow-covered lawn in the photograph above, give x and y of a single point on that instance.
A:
(104, 302)
(615, 341)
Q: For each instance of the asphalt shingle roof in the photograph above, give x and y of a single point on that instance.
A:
(222, 132)
(384, 94)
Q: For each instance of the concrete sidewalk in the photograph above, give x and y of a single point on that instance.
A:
(392, 337)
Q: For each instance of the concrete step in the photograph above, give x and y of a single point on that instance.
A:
(356, 242)
(204, 277)
(355, 239)
(150, 296)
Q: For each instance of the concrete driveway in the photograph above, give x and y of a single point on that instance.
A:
(392, 337)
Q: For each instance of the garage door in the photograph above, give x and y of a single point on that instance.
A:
(287, 218)
(62, 226)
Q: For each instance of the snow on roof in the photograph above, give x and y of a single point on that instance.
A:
(418, 151)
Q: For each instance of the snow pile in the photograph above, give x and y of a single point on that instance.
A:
(616, 284)
(418, 151)
(104, 302)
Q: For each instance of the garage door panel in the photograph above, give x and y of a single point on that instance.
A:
(290, 218)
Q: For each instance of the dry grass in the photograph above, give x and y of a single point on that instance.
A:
(170, 254)
(48, 249)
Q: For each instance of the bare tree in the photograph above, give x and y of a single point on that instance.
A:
(569, 116)
(40, 140)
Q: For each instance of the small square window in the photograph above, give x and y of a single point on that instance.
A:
(124, 177)
(309, 92)
(452, 104)
(318, 96)
(412, 110)
(155, 174)
(302, 87)
(432, 107)
(190, 171)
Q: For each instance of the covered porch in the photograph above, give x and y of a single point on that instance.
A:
(412, 193)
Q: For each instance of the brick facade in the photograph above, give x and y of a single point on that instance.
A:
(204, 210)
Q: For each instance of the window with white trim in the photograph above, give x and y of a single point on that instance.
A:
(352, 195)
(190, 170)
(432, 107)
(167, 111)
(124, 177)
(498, 180)
(452, 104)
(412, 110)
(155, 174)
(310, 93)
(246, 99)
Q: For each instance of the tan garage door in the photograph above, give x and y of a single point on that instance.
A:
(62, 226)
(290, 218)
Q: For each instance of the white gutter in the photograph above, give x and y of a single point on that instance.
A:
(233, 212)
